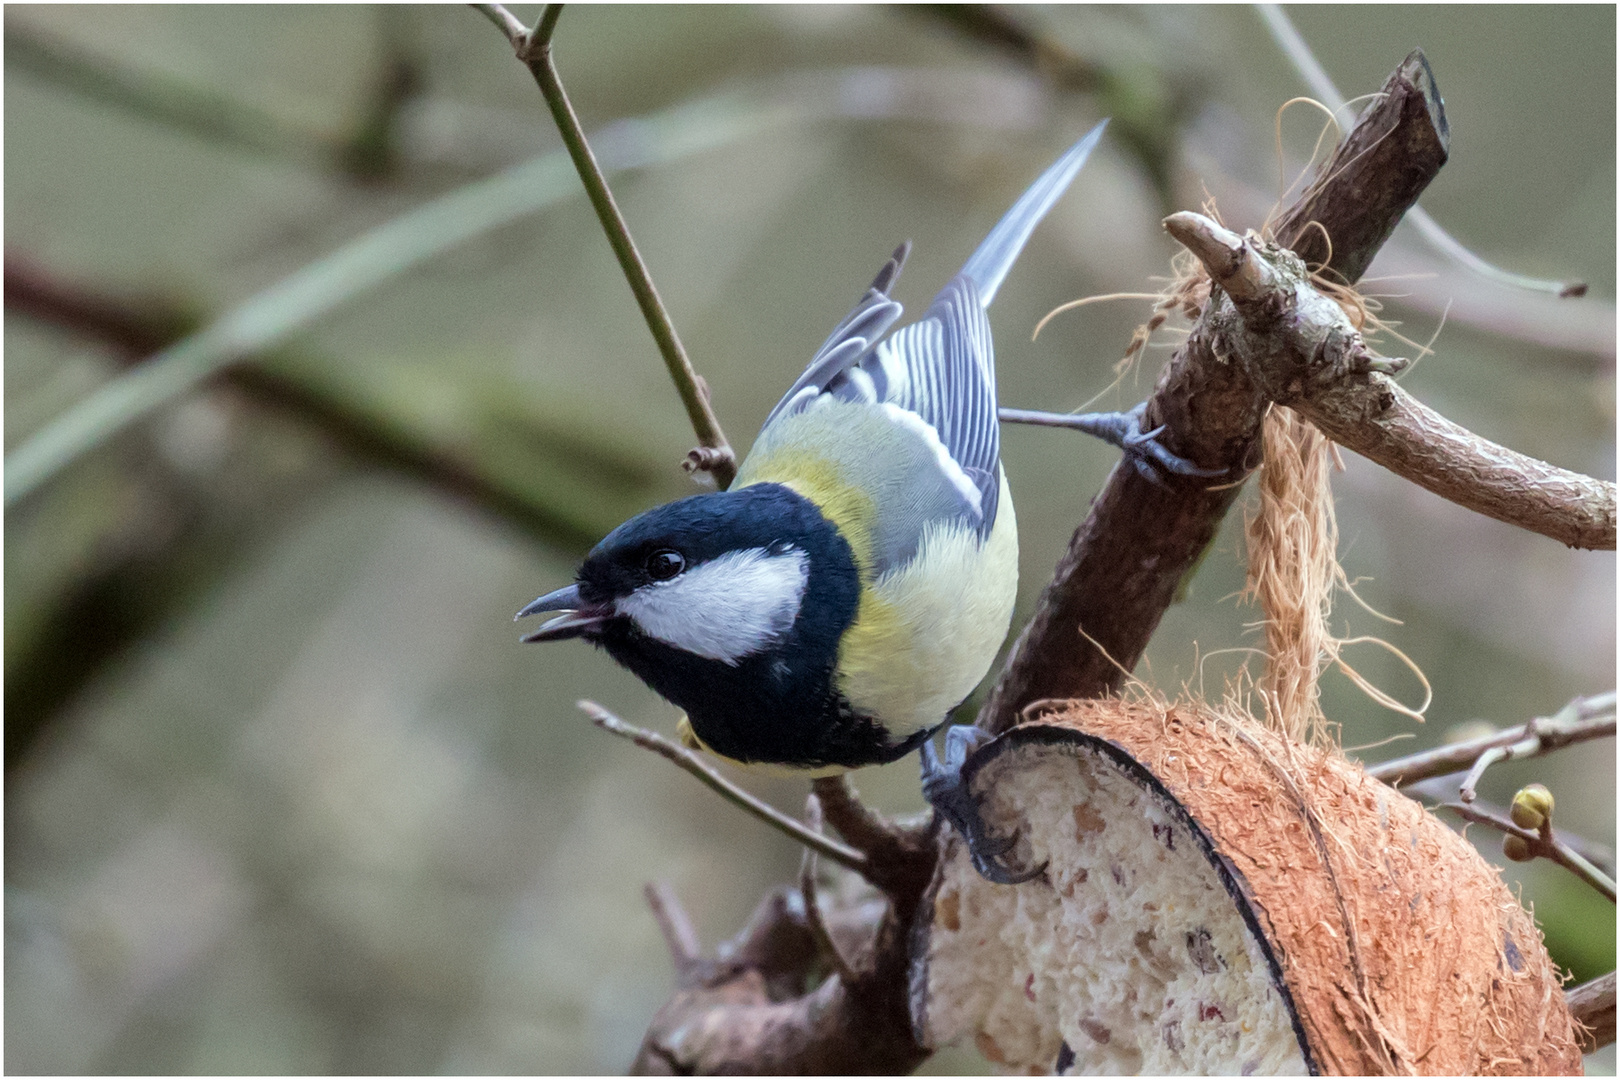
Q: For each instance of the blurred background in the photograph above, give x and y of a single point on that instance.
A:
(283, 791)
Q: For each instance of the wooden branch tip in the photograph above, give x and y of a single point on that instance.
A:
(1223, 252)
(508, 24)
(710, 459)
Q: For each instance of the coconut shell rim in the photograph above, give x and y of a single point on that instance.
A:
(1065, 738)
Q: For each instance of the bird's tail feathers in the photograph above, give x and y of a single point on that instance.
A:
(994, 257)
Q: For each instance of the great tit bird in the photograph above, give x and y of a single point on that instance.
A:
(852, 587)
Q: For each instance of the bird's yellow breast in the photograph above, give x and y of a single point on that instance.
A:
(925, 632)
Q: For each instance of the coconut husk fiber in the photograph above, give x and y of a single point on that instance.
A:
(1402, 949)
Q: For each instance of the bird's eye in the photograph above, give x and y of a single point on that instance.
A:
(664, 564)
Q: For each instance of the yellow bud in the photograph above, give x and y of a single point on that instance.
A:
(1532, 806)
(1516, 848)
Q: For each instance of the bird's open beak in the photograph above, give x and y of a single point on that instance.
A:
(580, 616)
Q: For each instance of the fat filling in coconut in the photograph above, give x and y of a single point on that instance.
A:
(1127, 956)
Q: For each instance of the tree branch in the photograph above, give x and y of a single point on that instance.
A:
(692, 763)
(676, 926)
(1299, 54)
(1541, 846)
(1383, 423)
(1372, 177)
(1126, 561)
(900, 856)
(807, 892)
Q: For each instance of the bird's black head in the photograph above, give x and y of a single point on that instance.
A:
(730, 604)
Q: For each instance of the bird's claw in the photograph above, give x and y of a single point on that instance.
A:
(1144, 450)
(944, 789)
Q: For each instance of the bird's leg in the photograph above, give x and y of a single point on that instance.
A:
(1124, 430)
(946, 792)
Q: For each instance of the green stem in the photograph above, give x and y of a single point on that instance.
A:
(535, 51)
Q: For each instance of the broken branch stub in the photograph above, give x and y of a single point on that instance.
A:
(1373, 177)
(1218, 900)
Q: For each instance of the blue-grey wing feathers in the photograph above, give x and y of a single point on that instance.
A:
(942, 367)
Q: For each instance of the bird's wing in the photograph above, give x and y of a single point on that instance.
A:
(943, 367)
(851, 340)
(940, 371)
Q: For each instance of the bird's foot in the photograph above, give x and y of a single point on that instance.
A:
(946, 792)
(1122, 429)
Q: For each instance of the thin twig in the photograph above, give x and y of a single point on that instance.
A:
(1581, 720)
(534, 49)
(1439, 791)
(676, 925)
(807, 892)
(686, 759)
(1465, 790)
(1546, 847)
(506, 22)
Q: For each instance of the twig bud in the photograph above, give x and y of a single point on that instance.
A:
(1532, 806)
(1517, 848)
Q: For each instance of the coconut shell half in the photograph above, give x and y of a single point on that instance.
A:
(1219, 901)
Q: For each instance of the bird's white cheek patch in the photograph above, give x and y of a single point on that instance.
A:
(727, 608)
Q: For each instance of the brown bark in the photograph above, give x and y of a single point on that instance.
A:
(1300, 349)
(1374, 176)
(1381, 421)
